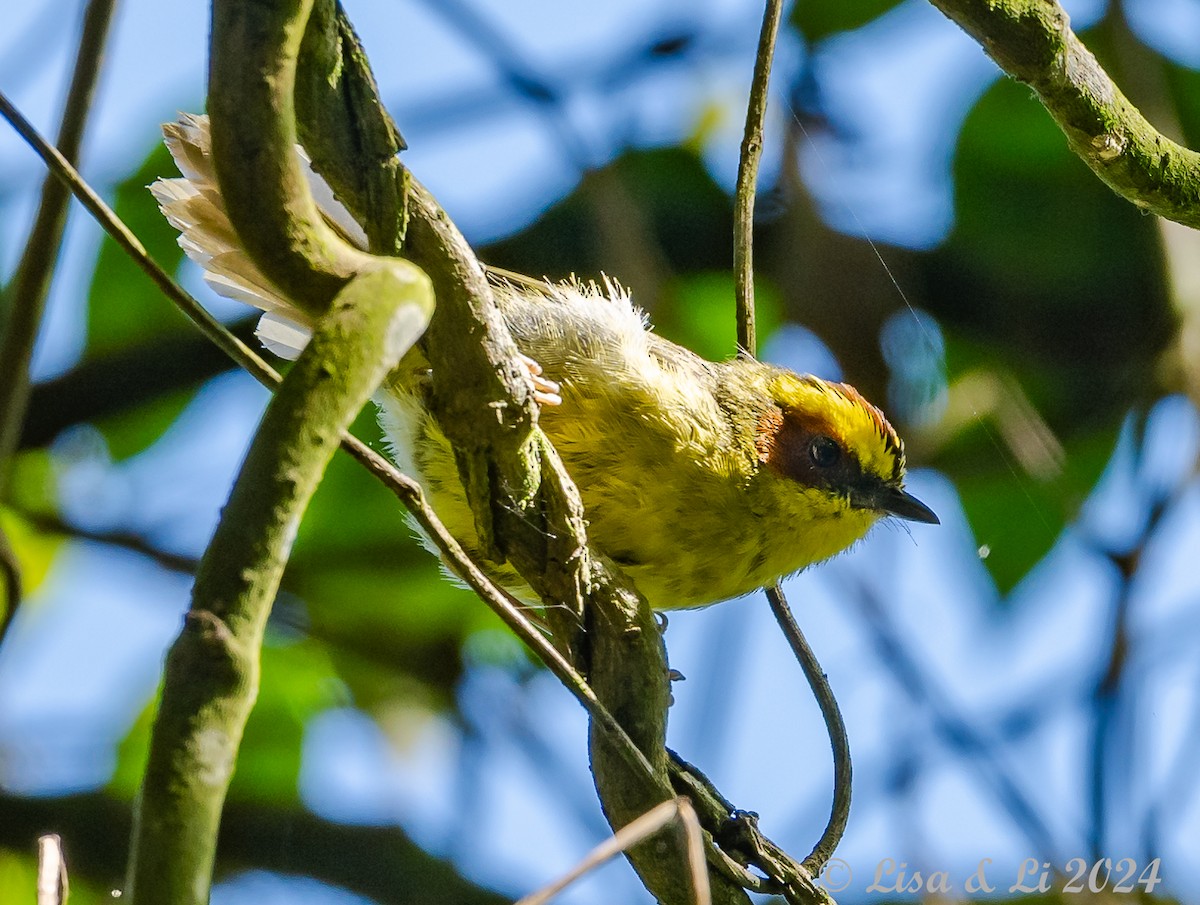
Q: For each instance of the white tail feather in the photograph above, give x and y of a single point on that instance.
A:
(193, 205)
(281, 336)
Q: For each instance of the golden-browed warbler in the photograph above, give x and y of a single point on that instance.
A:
(702, 480)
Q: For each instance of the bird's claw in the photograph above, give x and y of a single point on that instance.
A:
(545, 390)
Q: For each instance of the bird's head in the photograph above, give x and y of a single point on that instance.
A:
(838, 450)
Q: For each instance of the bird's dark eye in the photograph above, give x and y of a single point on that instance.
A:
(824, 452)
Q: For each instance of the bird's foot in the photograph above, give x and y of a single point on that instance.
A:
(545, 390)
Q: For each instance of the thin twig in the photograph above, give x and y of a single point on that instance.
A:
(132, 246)
(747, 179)
(737, 833)
(120, 540)
(836, 726)
(743, 264)
(31, 282)
(413, 497)
(677, 810)
(52, 884)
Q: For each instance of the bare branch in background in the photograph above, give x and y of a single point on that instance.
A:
(950, 723)
(23, 302)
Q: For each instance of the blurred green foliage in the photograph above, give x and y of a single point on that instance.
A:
(816, 21)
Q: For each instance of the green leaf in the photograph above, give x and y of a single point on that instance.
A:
(32, 485)
(135, 430)
(18, 877)
(124, 307)
(697, 311)
(1015, 517)
(1049, 268)
(298, 682)
(35, 550)
(1017, 510)
(132, 754)
(817, 21)
(1184, 87)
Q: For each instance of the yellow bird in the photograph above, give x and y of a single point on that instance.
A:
(702, 480)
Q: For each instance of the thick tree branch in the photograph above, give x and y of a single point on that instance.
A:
(1033, 42)
(368, 312)
(212, 670)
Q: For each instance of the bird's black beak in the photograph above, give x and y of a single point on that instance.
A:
(902, 504)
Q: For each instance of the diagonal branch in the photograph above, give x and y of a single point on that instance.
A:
(949, 722)
(1033, 42)
(212, 671)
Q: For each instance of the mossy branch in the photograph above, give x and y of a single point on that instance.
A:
(1033, 42)
(212, 670)
(368, 312)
